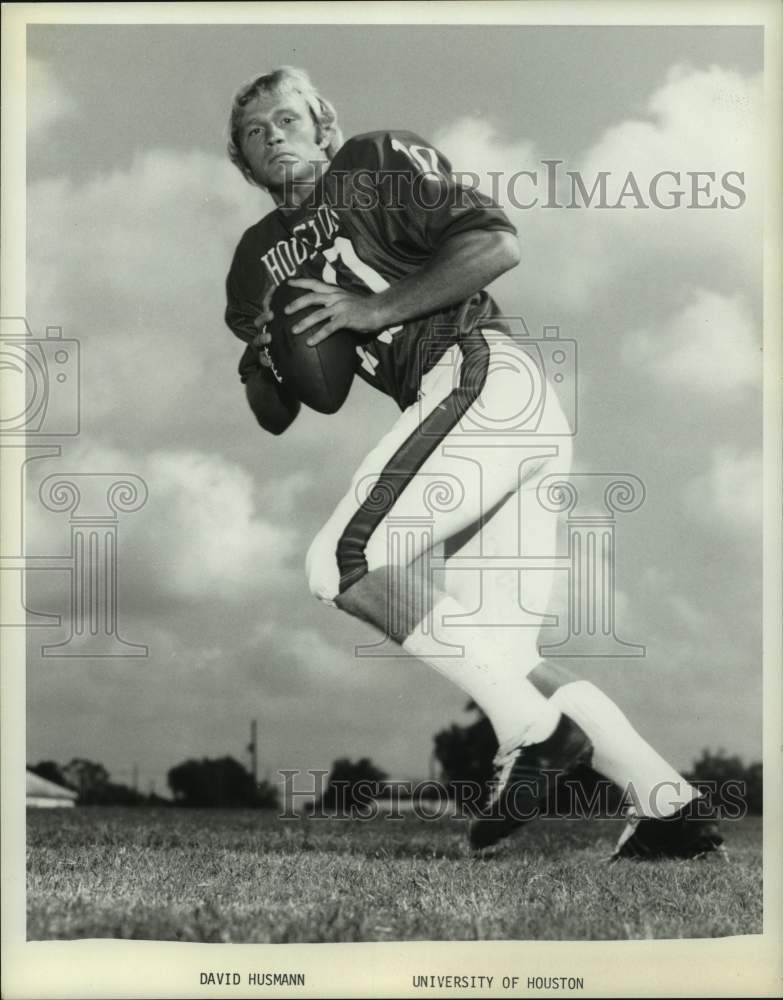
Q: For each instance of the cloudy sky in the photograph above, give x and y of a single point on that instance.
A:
(133, 213)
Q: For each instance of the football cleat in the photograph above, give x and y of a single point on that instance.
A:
(685, 835)
(521, 781)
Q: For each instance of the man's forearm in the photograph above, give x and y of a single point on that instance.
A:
(462, 265)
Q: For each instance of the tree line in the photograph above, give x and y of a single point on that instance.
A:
(464, 753)
(207, 783)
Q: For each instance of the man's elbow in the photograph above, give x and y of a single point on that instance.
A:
(506, 250)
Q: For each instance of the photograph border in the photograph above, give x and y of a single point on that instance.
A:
(738, 966)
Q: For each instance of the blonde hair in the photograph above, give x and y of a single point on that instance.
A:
(285, 79)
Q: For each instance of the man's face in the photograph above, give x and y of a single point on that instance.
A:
(279, 142)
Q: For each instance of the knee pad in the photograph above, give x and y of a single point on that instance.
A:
(323, 577)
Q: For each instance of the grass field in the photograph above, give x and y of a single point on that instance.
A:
(176, 874)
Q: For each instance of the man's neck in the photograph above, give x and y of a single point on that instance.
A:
(290, 197)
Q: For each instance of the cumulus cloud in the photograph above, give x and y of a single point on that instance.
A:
(48, 101)
(281, 496)
(695, 121)
(132, 263)
(199, 536)
(730, 492)
(712, 344)
(215, 544)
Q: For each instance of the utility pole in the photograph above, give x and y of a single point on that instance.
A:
(135, 778)
(252, 749)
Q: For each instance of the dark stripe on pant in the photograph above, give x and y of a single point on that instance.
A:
(409, 458)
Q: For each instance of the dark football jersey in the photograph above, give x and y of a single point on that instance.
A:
(386, 203)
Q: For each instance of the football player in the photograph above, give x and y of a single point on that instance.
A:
(378, 234)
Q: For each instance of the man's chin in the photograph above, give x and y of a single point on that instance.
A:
(289, 187)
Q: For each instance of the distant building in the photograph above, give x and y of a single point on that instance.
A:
(43, 794)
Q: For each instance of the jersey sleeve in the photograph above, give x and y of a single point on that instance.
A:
(244, 297)
(411, 183)
(245, 294)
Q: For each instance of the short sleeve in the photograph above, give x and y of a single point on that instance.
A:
(412, 184)
(242, 306)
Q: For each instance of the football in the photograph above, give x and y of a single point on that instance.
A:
(321, 376)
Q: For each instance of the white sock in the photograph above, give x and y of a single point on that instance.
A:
(489, 672)
(620, 753)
